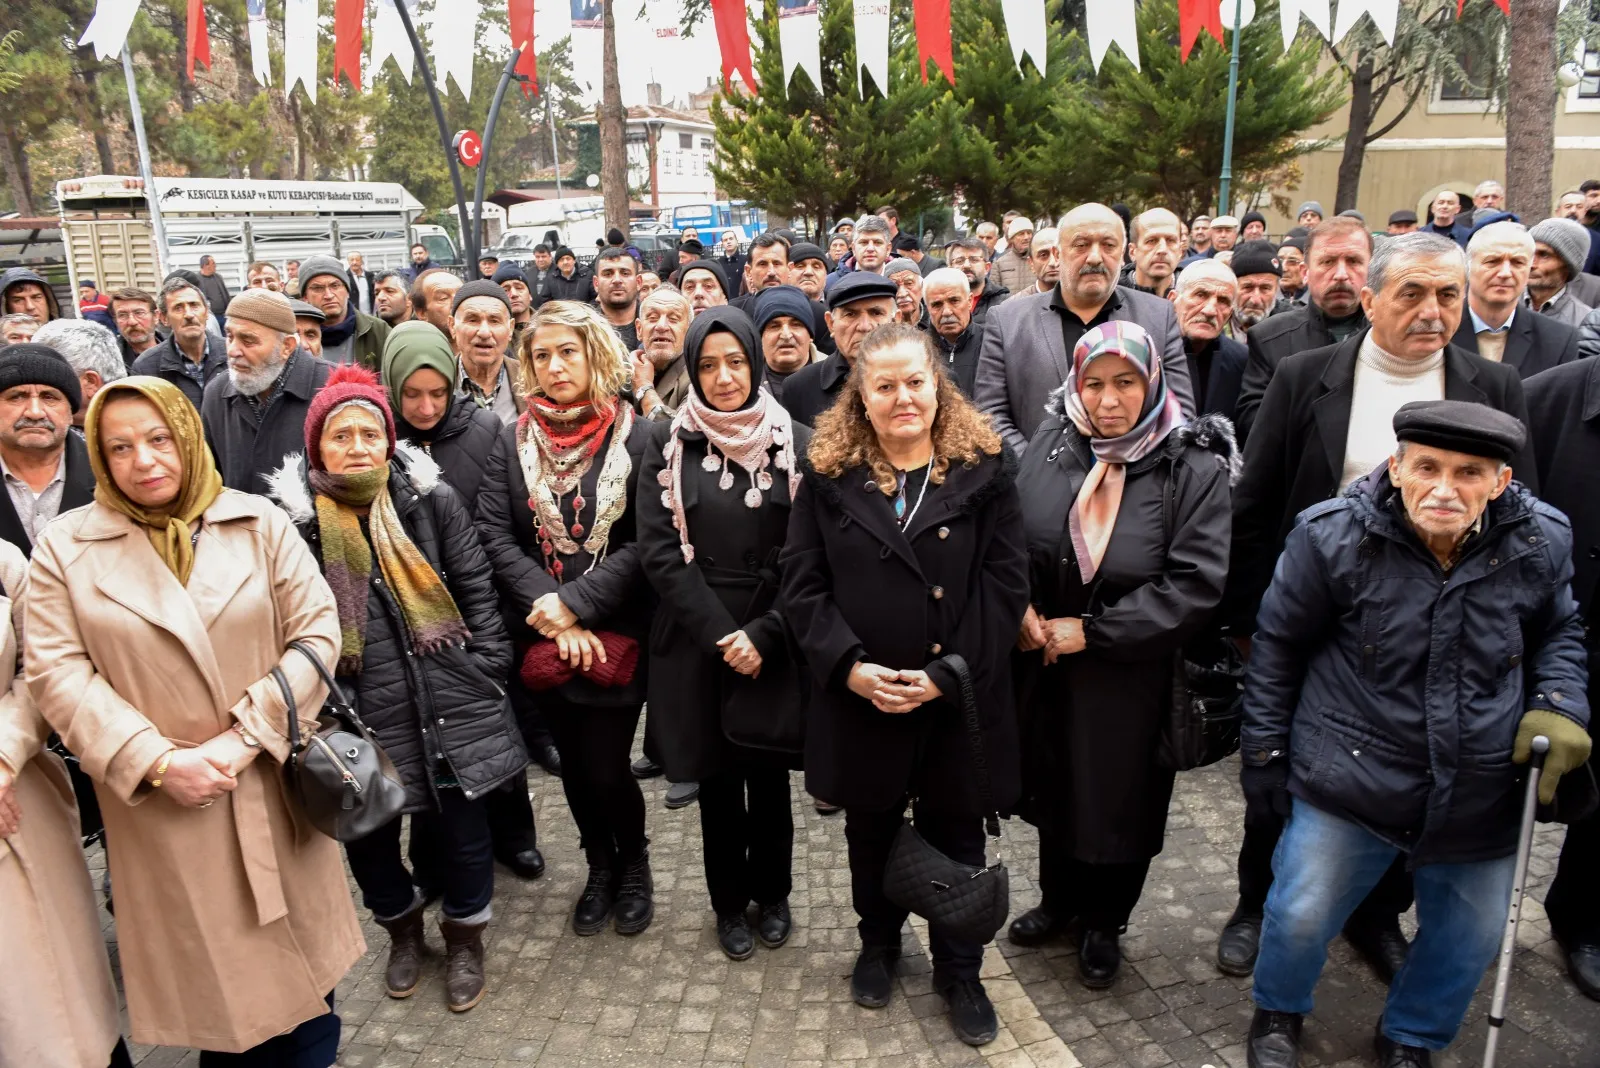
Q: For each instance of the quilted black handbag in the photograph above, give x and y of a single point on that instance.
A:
(340, 778)
(1202, 723)
(964, 901)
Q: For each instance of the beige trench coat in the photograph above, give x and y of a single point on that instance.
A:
(58, 1008)
(233, 924)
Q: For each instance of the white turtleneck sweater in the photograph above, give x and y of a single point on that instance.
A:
(1383, 383)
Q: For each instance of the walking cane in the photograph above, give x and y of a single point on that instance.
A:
(1508, 941)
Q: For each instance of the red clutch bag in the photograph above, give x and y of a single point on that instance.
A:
(543, 668)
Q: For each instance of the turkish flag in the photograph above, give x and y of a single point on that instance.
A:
(347, 18)
(1194, 15)
(521, 15)
(933, 37)
(198, 40)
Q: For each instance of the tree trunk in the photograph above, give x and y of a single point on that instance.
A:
(613, 152)
(1355, 137)
(1531, 108)
(21, 195)
(298, 116)
(89, 102)
(247, 89)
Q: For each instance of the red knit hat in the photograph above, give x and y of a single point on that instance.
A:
(348, 382)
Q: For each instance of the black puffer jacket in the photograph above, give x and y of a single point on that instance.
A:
(448, 707)
(460, 444)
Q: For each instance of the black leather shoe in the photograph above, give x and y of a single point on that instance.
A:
(1099, 957)
(636, 904)
(548, 757)
(825, 809)
(1392, 1054)
(524, 863)
(971, 1013)
(645, 768)
(682, 794)
(1274, 1040)
(594, 904)
(1036, 926)
(1383, 948)
(734, 936)
(1583, 964)
(1239, 945)
(774, 924)
(872, 980)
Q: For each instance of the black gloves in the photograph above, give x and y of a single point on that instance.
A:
(1266, 792)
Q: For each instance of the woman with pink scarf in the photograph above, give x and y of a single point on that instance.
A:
(1127, 514)
(727, 695)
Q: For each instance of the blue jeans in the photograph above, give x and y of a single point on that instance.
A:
(1322, 869)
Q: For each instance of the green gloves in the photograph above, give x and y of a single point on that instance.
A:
(1569, 747)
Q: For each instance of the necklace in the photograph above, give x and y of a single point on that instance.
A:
(903, 517)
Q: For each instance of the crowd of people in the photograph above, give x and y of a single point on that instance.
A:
(847, 508)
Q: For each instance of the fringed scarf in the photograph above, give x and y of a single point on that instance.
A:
(556, 445)
(1094, 513)
(744, 437)
(431, 617)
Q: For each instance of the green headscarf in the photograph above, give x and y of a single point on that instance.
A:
(411, 347)
(168, 528)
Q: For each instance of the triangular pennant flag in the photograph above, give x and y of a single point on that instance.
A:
(733, 37)
(1111, 22)
(389, 40)
(520, 13)
(260, 54)
(1025, 27)
(454, 34)
(1315, 12)
(1194, 16)
(300, 46)
(108, 29)
(872, 44)
(1503, 5)
(932, 18)
(197, 42)
(1384, 14)
(800, 39)
(347, 18)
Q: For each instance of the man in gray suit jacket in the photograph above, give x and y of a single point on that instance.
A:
(1028, 342)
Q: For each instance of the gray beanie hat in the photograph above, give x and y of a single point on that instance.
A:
(312, 266)
(1568, 239)
(1310, 205)
(898, 264)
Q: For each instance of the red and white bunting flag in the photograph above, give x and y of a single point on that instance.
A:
(1111, 22)
(454, 32)
(800, 39)
(1025, 27)
(1194, 16)
(1316, 12)
(108, 29)
(348, 16)
(872, 44)
(389, 40)
(521, 21)
(733, 37)
(932, 18)
(300, 46)
(1384, 15)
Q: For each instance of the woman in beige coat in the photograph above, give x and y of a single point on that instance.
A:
(154, 618)
(58, 1008)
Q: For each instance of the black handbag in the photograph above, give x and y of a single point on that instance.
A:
(1202, 722)
(966, 902)
(340, 779)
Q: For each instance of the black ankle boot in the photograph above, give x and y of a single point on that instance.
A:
(594, 905)
(774, 924)
(1099, 957)
(636, 905)
(1037, 926)
(872, 980)
(735, 937)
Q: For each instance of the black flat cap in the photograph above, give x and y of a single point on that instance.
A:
(1401, 218)
(1461, 426)
(1256, 257)
(801, 251)
(859, 285)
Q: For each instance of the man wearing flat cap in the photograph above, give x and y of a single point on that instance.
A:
(481, 330)
(349, 335)
(1011, 268)
(1419, 633)
(1402, 222)
(308, 320)
(1255, 264)
(1564, 429)
(255, 415)
(704, 283)
(858, 303)
(45, 468)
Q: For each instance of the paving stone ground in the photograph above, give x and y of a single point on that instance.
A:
(670, 997)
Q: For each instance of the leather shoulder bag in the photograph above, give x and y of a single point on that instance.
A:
(340, 778)
(966, 901)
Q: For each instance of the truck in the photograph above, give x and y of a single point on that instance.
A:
(108, 235)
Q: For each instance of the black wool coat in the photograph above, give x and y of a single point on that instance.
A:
(249, 446)
(731, 585)
(460, 444)
(448, 706)
(611, 595)
(1564, 431)
(1534, 343)
(1091, 721)
(1270, 342)
(857, 588)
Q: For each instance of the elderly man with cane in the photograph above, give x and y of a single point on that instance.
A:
(1418, 634)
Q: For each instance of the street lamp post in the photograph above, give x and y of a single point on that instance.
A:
(1233, 97)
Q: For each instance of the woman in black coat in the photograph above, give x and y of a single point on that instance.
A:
(1128, 522)
(905, 548)
(423, 658)
(556, 513)
(419, 372)
(721, 667)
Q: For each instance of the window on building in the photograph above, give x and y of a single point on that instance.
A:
(1589, 84)
(686, 141)
(705, 144)
(1475, 84)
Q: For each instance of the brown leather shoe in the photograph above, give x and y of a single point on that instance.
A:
(463, 980)
(406, 946)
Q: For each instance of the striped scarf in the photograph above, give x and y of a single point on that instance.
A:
(432, 619)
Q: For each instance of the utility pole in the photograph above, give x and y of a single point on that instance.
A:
(1233, 101)
(157, 228)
